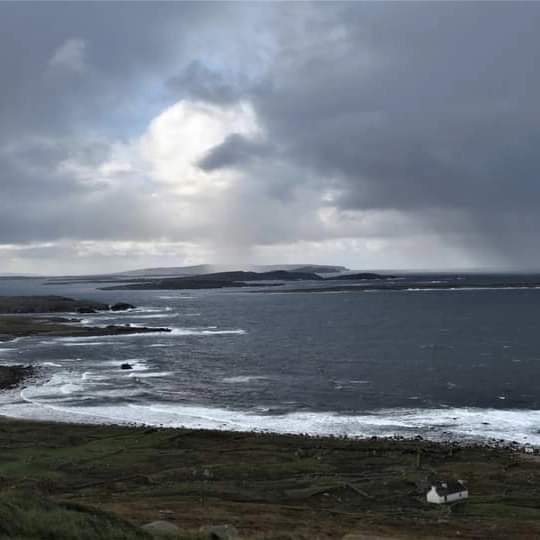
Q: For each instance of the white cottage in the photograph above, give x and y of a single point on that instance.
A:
(446, 492)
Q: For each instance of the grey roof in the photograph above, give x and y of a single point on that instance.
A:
(449, 487)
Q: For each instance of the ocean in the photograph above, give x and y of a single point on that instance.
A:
(453, 364)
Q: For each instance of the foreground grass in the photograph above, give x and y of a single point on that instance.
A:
(267, 486)
(29, 517)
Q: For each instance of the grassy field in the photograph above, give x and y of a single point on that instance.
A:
(267, 486)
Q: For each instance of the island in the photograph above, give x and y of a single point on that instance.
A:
(218, 280)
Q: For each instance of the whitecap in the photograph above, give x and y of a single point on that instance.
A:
(208, 331)
(153, 316)
(69, 388)
(244, 379)
(150, 309)
(464, 424)
(152, 374)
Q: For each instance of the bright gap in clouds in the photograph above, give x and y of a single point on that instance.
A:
(182, 135)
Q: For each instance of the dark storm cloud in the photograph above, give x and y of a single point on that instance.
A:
(423, 109)
(200, 82)
(415, 108)
(235, 149)
(417, 105)
(125, 47)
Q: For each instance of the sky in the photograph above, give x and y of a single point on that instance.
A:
(374, 135)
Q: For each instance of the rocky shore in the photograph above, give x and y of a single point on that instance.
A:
(13, 376)
(47, 304)
(24, 316)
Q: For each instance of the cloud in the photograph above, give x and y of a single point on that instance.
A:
(369, 134)
(199, 82)
(235, 149)
(70, 56)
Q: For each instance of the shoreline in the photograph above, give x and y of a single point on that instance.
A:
(27, 316)
(14, 377)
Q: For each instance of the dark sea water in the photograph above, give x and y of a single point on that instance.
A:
(446, 364)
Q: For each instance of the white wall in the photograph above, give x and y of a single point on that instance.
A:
(433, 497)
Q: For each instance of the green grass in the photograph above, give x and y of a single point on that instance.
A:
(267, 486)
(28, 517)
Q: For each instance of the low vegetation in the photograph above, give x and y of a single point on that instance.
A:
(25, 516)
(267, 486)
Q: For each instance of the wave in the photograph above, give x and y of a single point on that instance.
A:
(177, 297)
(466, 289)
(174, 331)
(457, 424)
(154, 316)
(77, 342)
(244, 379)
(149, 309)
(70, 388)
(152, 374)
(208, 331)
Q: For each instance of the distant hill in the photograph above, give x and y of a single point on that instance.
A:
(320, 269)
(201, 269)
(274, 275)
(216, 280)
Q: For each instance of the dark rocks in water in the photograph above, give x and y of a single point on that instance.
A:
(121, 306)
(12, 376)
(126, 365)
(85, 310)
(29, 325)
(120, 329)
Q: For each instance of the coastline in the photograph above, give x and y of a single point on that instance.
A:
(14, 376)
(267, 485)
(315, 424)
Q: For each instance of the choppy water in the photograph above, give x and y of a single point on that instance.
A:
(443, 364)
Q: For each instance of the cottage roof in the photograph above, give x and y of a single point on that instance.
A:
(449, 487)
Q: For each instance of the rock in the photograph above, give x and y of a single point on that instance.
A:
(126, 366)
(84, 310)
(220, 532)
(121, 306)
(161, 529)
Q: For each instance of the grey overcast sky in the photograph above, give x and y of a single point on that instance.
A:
(374, 135)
